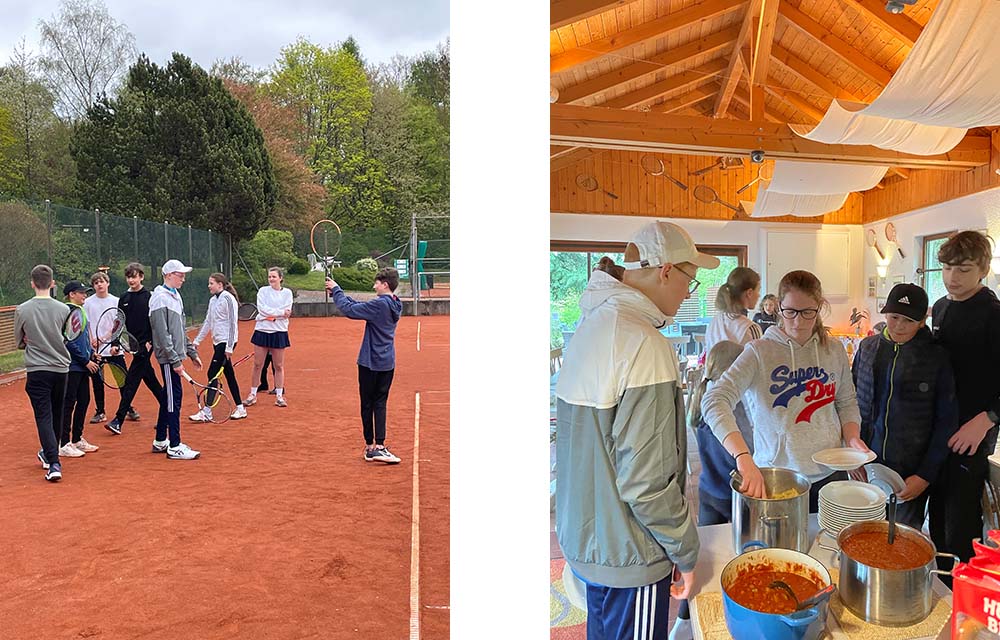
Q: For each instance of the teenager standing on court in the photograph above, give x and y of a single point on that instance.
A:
(95, 306)
(220, 321)
(171, 346)
(623, 523)
(797, 387)
(81, 367)
(271, 336)
(38, 327)
(135, 304)
(377, 358)
(966, 323)
(735, 296)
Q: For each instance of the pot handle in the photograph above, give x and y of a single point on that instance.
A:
(752, 543)
(954, 562)
(801, 618)
(819, 536)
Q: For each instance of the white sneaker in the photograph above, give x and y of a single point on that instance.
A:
(85, 446)
(201, 416)
(69, 451)
(182, 452)
(160, 446)
(251, 399)
(239, 413)
(682, 630)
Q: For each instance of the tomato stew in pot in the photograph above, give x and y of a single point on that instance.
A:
(751, 590)
(873, 549)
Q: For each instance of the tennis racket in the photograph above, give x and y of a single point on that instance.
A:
(723, 162)
(873, 242)
(325, 234)
(764, 173)
(111, 373)
(589, 183)
(706, 194)
(110, 326)
(75, 324)
(890, 235)
(248, 311)
(212, 401)
(653, 166)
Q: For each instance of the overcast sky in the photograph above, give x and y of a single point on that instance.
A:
(254, 30)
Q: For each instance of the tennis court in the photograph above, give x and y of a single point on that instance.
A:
(280, 530)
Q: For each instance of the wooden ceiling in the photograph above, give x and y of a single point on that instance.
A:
(688, 78)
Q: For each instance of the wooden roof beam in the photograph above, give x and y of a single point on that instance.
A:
(568, 160)
(688, 99)
(652, 30)
(691, 78)
(763, 42)
(676, 56)
(654, 132)
(564, 12)
(804, 70)
(821, 35)
(789, 97)
(732, 75)
(901, 26)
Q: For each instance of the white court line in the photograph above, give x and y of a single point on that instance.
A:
(415, 528)
(418, 335)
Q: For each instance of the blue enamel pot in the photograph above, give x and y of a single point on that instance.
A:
(747, 624)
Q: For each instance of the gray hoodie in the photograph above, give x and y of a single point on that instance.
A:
(798, 399)
(621, 516)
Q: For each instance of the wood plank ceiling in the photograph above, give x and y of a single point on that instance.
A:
(689, 80)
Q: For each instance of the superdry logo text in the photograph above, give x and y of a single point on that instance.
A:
(818, 386)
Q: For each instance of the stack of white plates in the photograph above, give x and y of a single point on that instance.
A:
(844, 502)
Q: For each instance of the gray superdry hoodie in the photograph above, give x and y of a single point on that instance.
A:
(798, 399)
(621, 445)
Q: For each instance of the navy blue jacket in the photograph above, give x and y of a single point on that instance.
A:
(906, 395)
(378, 351)
(80, 350)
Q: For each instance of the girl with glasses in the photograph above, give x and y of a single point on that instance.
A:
(797, 387)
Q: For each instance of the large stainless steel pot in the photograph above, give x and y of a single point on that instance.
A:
(781, 523)
(889, 597)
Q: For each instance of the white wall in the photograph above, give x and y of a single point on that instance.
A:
(978, 211)
(752, 234)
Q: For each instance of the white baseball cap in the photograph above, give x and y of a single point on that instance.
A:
(661, 242)
(173, 266)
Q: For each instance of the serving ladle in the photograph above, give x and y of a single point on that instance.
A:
(816, 598)
(892, 518)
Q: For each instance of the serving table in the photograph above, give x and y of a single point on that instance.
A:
(717, 551)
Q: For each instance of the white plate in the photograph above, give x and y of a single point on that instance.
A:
(853, 495)
(843, 458)
(885, 478)
(834, 510)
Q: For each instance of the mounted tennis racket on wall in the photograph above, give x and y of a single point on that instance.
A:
(890, 235)
(722, 162)
(764, 174)
(873, 242)
(708, 195)
(589, 183)
(653, 166)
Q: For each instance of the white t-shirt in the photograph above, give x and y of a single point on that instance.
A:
(94, 307)
(272, 302)
(737, 328)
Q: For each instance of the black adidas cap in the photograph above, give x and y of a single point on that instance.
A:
(907, 300)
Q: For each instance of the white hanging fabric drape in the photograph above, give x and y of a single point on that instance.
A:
(817, 178)
(949, 82)
(770, 204)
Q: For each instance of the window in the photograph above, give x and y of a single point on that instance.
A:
(570, 265)
(930, 279)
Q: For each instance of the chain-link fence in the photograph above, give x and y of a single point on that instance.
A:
(78, 242)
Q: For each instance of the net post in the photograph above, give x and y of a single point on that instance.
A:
(97, 234)
(166, 240)
(48, 222)
(414, 279)
(135, 236)
(191, 249)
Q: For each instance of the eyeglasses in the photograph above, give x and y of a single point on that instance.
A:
(807, 314)
(694, 284)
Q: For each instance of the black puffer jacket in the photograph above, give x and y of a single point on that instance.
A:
(906, 394)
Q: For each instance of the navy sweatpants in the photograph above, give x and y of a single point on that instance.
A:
(632, 613)
(169, 419)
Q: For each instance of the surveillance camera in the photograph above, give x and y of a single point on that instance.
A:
(896, 6)
(757, 156)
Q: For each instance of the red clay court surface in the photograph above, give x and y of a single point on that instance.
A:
(279, 530)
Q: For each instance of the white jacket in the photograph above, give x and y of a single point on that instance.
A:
(221, 321)
(272, 302)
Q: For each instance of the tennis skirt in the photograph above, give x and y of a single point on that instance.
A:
(271, 340)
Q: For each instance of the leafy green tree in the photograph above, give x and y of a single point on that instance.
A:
(9, 169)
(176, 146)
(72, 256)
(329, 90)
(22, 246)
(269, 248)
(430, 79)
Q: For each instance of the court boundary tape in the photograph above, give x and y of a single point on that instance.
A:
(415, 526)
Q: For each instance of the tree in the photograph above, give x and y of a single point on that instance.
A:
(85, 53)
(9, 170)
(22, 246)
(37, 162)
(300, 197)
(175, 146)
(328, 89)
(430, 79)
